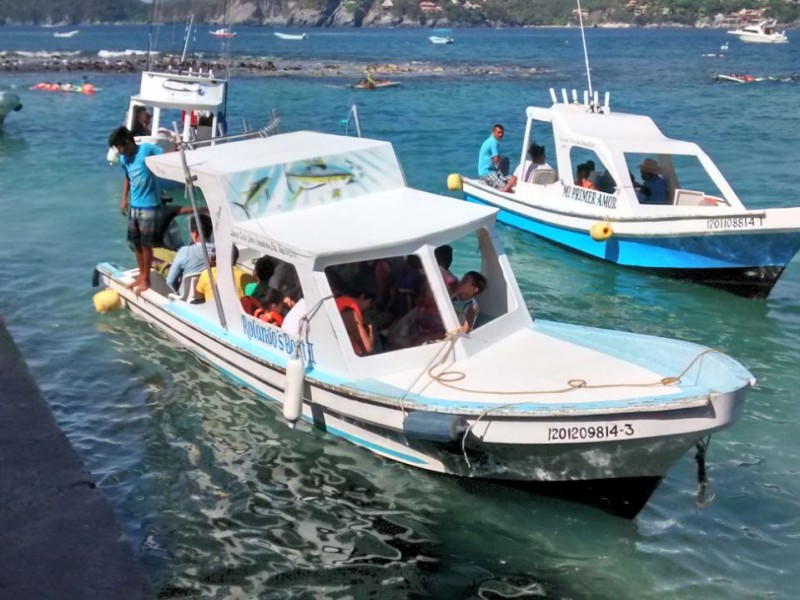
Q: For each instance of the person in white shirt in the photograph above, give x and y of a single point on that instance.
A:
(525, 169)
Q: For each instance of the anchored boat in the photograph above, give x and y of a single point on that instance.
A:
(693, 227)
(761, 33)
(402, 373)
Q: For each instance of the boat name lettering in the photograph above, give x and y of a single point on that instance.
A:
(735, 223)
(589, 432)
(263, 244)
(271, 336)
(588, 196)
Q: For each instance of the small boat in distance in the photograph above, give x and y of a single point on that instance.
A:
(372, 85)
(66, 34)
(441, 36)
(290, 36)
(761, 33)
(223, 32)
(502, 396)
(683, 220)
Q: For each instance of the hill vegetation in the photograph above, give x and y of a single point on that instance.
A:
(357, 13)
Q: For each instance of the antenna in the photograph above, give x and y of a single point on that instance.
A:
(585, 52)
(150, 37)
(186, 38)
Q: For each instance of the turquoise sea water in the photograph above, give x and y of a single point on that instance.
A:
(220, 499)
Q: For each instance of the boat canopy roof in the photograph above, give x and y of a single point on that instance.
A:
(619, 132)
(319, 194)
(360, 228)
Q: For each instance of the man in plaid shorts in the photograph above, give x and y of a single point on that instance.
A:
(145, 201)
(490, 164)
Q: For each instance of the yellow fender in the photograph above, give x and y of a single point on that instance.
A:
(106, 300)
(454, 182)
(600, 232)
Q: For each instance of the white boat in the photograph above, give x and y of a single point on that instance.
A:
(290, 36)
(701, 231)
(184, 105)
(515, 399)
(9, 102)
(66, 34)
(223, 32)
(441, 36)
(761, 33)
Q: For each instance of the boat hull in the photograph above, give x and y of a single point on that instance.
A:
(747, 264)
(617, 448)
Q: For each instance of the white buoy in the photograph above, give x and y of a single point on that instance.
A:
(293, 394)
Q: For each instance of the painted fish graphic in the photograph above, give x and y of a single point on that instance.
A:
(318, 174)
(255, 190)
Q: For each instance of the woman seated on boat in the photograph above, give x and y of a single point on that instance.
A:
(191, 259)
(262, 271)
(362, 333)
(583, 172)
(141, 121)
(204, 291)
(653, 189)
(272, 308)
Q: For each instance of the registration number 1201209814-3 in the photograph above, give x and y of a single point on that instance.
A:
(590, 432)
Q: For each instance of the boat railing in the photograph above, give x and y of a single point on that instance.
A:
(269, 129)
(590, 101)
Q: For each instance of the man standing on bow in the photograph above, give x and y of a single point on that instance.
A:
(140, 193)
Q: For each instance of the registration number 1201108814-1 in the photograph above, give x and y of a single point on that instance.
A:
(590, 432)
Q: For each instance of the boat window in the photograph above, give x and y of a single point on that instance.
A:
(686, 179)
(589, 171)
(385, 304)
(272, 292)
(388, 304)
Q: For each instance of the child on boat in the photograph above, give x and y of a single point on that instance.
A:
(464, 303)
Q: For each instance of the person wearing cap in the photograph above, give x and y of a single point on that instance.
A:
(653, 189)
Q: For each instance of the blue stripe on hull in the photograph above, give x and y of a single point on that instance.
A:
(709, 252)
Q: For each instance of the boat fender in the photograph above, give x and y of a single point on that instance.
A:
(454, 182)
(600, 232)
(434, 427)
(106, 300)
(293, 394)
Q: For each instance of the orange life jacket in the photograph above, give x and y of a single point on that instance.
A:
(347, 302)
(270, 316)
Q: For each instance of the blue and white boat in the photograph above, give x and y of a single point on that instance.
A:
(510, 398)
(700, 231)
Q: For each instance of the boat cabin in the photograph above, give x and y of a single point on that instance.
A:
(602, 159)
(365, 257)
(189, 104)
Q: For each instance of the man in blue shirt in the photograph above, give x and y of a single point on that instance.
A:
(653, 189)
(141, 193)
(490, 163)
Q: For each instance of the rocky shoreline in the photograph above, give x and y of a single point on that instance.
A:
(253, 65)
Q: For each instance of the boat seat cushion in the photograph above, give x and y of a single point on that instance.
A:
(543, 176)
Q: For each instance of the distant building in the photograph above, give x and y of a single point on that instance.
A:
(429, 7)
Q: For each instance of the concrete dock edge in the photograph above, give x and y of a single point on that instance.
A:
(59, 537)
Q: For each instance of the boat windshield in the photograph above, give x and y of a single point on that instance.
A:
(398, 302)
